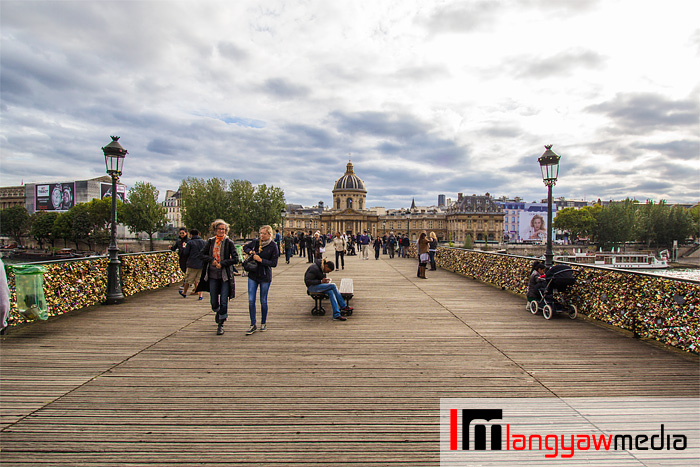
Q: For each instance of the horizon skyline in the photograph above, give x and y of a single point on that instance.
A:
(162, 194)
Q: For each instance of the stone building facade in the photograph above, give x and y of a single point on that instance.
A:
(476, 215)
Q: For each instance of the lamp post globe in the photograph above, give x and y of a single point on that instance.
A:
(114, 160)
(549, 165)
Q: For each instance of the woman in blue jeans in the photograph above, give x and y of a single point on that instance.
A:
(265, 252)
(218, 258)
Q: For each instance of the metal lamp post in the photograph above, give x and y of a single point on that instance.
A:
(114, 160)
(549, 164)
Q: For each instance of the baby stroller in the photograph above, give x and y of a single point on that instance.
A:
(554, 297)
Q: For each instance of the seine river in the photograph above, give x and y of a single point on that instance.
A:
(675, 273)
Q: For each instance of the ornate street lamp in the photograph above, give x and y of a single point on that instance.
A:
(549, 164)
(114, 160)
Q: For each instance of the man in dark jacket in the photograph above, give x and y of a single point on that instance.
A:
(288, 244)
(309, 239)
(179, 246)
(193, 259)
(317, 282)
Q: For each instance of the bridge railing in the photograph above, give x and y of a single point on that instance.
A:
(72, 284)
(650, 306)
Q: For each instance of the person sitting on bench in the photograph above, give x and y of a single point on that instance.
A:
(317, 282)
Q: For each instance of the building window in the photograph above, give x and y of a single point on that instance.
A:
(349, 203)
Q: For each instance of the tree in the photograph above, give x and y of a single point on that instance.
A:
(579, 222)
(695, 216)
(82, 227)
(679, 227)
(143, 212)
(14, 222)
(468, 242)
(651, 221)
(243, 195)
(268, 206)
(43, 227)
(63, 226)
(616, 223)
(203, 201)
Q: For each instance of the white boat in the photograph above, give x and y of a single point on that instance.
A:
(615, 259)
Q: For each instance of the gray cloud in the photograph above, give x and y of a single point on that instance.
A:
(561, 64)
(640, 112)
(675, 150)
(232, 52)
(284, 89)
(463, 17)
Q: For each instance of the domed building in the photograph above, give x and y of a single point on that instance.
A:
(474, 215)
(349, 213)
(349, 191)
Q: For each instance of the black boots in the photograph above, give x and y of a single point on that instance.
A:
(421, 271)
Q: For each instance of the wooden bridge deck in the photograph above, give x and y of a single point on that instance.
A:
(149, 382)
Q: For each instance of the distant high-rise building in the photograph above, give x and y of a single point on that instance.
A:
(441, 200)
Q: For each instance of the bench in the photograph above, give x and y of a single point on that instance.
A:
(318, 297)
(346, 290)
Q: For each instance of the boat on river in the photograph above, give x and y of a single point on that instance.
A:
(616, 259)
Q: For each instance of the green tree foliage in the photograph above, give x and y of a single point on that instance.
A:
(245, 206)
(652, 219)
(203, 201)
(15, 222)
(579, 222)
(616, 223)
(468, 242)
(82, 227)
(680, 226)
(62, 227)
(100, 211)
(242, 215)
(143, 212)
(42, 227)
(695, 216)
(268, 206)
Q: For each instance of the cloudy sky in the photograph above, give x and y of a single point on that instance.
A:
(426, 97)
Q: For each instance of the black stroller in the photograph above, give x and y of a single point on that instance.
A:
(554, 297)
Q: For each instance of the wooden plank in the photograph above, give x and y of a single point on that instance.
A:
(149, 382)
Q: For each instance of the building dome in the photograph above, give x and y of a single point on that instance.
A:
(350, 181)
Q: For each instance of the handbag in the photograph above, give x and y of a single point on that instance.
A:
(250, 265)
(322, 249)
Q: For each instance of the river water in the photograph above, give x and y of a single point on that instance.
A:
(675, 273)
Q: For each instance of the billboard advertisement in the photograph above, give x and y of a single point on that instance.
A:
(533, 226)
(55, 197)
(106, 191)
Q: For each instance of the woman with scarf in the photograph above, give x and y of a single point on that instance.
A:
(218, 257)
(265, 252)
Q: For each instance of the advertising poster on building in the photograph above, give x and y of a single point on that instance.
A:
(106, 191)
(55, 197)
(533, 226)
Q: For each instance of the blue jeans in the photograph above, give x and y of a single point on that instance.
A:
(288, 252)
(336, 299)
(252, 290)
(218, 293)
